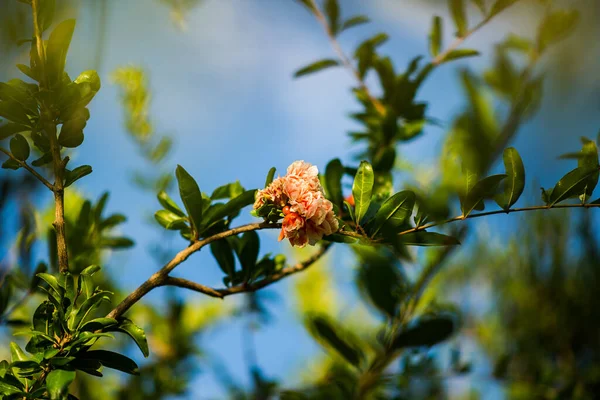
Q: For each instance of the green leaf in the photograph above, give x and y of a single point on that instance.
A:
(482, 190)
(76, 174)
(98, 324)
(514, 184)
(58, 382)
(394, 211)
(46, 14)
(589, 160)
(384, 286)
(332, 10)
(52, 282)
(223, 253)
(333, 181)
(354, 21)
(112, 221)
(135, 332)
(91, 270)
(435, 37)
(165, 200)
(10, 129)
(423, 238)
(11, 164)
(555, 27)
(572, 184)
(316, 67)
(428, 331)
(113, 360)
(270, 176)
(71, 132)
(17, 354)
(350, 209)
(56, 50)
(231, 207)
(248, 251)
(116, 242)
(19, 147)
(170, 220)
(14, 112)
(78, 316)
(43, 160)
(334, 337)
(228, 191)
(459, 15)
(362, 189)
(499, 6)
(191, 197)
(459, 53)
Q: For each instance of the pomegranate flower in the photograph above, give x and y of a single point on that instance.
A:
(308, 215)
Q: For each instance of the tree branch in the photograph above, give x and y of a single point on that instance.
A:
(28, 168)
(221, 293)
(344, 59)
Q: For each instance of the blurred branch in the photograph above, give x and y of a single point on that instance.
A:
(343, 57)
(28, 168)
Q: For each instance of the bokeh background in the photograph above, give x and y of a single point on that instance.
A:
(219, 75)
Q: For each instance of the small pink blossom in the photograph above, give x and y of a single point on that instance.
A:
(308, 214)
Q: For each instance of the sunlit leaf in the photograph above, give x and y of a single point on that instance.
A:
(515, 179)
(191, 197)
(56, 50)
(574, 183)
(135, 332)
(354, 21)
(362, 189)
(459, 16)
(58, 382)
(435, 36)
(460, 53)
(394, 211)
(482, 190)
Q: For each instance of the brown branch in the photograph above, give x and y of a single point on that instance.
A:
(344, 59)
(221, 293)
(158, 278)
(28, 168)
(59, 166)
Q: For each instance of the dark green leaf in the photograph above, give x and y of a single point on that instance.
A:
(78, 173)
(56, 50)
(10, 129)
(315, 67)
(79, 316)
(515, 179)
(332, 10)
(135, 332)
(333, 336)
(394, 211)
(191, 197)
(354, 21)
(113, 360)
(223, 253)
(14, 112)
(459, 15)
(46, 14)
(426, 332)
(58, 382)
(71, 132)
(482, 190)
(248, 250)
(52, 282)
(333, 181)
(555, 27)
(435, 36)
(19, 147)
(589, 160)
(270, 176)
(572, 184)
(98, 324)
(112, 221)
(231, 207)
(11, 164)
(423, 238)
(228, 191)
(116, 242)
(43, 160)
(384, 285)
(362, 189)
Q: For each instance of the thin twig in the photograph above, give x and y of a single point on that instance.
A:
(221, 293)
(28, 168)
(344, 59)
(158, 278)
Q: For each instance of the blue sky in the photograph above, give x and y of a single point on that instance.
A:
(224, 89)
